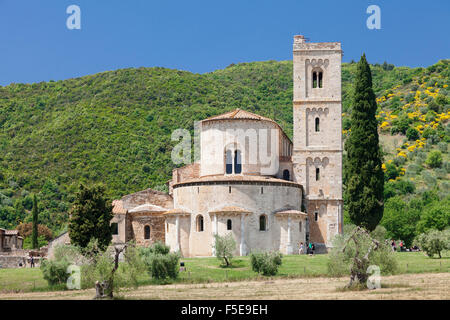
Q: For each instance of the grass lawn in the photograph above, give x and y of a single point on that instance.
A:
(200, 270)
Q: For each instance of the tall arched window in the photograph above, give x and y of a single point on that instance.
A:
(200, 222)
(317, 174)
(286, 175)
(237, 162)
(317, 127)
(228, 162)
(300, 226)
(147, 232)
(229, 224)
(316, 216)
(262, 222)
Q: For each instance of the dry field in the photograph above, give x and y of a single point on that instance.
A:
(406, 286)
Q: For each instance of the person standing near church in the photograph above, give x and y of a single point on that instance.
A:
(300, 250)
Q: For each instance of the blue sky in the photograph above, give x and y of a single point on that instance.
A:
(202, 36)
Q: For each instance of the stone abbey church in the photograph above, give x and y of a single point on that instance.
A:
(297, 200)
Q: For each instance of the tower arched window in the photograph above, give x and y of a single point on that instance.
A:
(200, 223)
(317, 174)
(262, 222)
(317, 79)
(286, 175)
(147, 232)
(317, 124)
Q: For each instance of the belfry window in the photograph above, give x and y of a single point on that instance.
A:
(317, 174)
(317, 124)
(200, 222)
(317, 79)
(262, 223)
(147, 232)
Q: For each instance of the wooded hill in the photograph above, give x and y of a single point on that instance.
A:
(115, 127)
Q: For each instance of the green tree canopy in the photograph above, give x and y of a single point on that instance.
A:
(90, 217)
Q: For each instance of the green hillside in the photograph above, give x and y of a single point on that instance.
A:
(115, 128)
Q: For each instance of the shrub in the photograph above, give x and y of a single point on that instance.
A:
(434, 159)
(55, 271)
(443, 147)
(163, 266)
(266, 263)
(225, 247)
(412, 134)
(434, 242)
(159, 263)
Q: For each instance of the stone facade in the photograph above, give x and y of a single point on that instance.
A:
(250, 179)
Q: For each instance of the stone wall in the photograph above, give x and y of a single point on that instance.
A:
(203, 199)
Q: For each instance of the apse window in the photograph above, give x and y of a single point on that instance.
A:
(317, 174)
(200, 223)
(262, 223)
(147, 232)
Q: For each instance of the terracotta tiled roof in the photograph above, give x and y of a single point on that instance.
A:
(148, 207)
(232, 178)
(238, 114)
(291, 212)
(230, 209)
(118, 207)
(177, 211)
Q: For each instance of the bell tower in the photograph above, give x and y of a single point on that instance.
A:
(317, 150)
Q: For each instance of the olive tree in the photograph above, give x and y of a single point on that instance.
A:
(224, 248)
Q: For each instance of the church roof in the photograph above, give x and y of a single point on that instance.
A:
(118, 207)
(237, 179)
(238, 114)
(291, 212)
(230, 209)
(177, 211)
(148, 207)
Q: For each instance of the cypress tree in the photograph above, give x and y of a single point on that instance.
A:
(34, 235)
(363, 173)
(90, 217)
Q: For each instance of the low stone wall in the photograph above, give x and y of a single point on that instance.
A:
(10, 261)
